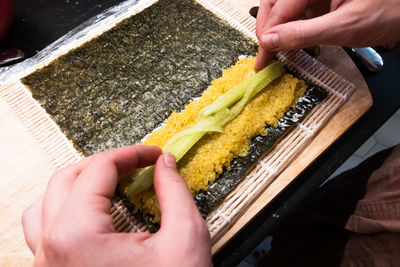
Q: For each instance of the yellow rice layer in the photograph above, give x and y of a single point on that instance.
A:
(207, 159)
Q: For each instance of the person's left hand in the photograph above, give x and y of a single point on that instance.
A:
(71, 225)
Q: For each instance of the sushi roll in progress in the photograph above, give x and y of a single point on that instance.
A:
(213, 153)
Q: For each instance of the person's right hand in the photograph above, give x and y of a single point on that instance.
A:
(293, 24)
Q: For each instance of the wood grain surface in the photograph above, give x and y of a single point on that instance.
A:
(25, 169)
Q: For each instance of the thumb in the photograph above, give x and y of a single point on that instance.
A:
(175, 200)
(327, 29)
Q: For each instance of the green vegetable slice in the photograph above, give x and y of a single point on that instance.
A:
(211, 119)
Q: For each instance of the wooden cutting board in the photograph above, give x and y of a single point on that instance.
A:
(25, 169)
(359, 103)
(336, 59)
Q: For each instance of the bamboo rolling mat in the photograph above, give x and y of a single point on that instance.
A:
(28, 157)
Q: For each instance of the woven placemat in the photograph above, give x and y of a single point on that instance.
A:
(61, 152)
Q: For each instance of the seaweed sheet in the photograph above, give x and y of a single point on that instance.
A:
(206, 201)
(120, 86)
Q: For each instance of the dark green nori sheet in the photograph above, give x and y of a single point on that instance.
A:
(206, 201)
(120, 86)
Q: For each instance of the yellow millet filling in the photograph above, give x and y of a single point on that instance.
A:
(206, 160)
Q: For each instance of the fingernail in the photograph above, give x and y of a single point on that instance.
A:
(169, 160)
(270, 41)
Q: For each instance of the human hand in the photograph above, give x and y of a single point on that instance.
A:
(293, 24)
(71, 225)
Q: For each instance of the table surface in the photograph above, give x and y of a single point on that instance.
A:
(46, 21)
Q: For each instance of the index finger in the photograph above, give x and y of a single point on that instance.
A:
(99, 177)
(262, 16)
(263, 58)
(272, 13)
(284, 11)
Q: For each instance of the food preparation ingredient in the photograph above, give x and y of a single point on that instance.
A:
(212, 155)
(211, 119)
